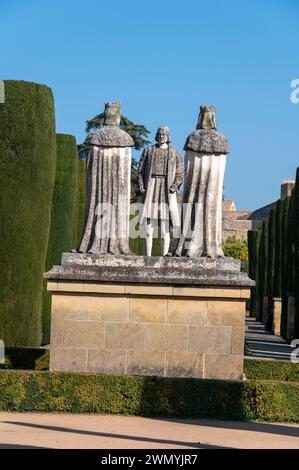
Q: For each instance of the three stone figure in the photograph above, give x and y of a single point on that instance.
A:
(106, 229)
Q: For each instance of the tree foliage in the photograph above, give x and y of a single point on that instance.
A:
(235, 248)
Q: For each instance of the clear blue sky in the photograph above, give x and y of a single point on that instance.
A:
(161, 59)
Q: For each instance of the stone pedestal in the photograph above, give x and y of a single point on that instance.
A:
(168, 317)
(277, 316)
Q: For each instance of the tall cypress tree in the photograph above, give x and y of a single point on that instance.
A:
(253, 252)
(27, 174)
(290, 262)
(284, 267)
(278, 249)
(296, 253)
(262, 270)
(270, 269)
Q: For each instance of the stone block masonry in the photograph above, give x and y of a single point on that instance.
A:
(148, 329)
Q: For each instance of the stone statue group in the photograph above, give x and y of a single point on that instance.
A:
(198, 222)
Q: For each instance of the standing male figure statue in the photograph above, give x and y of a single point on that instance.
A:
(160, 177)
(205, 160)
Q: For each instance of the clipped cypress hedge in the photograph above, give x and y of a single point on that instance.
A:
(148, 396)
(254, 237)
(270, 269)
(64, 215)
(27, 172)
(262, 269)
(80, 203)
(284, 273)
(296, 257)
(278, 248)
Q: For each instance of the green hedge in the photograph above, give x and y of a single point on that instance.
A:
(284, 264)
(296, 255)
(27, 172)
(145, 396)
(271, 370)
(262, 269)
(270, 269)
(80, 203)
(64, 215)
(254, 237)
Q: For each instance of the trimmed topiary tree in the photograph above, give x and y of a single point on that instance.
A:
(270, 269)
(296, 253)
(262, 270)
(278, 248)
(27, 172)
(254, 237)
(284, 267)
(64, 215)
(290, 267)
(81, 201)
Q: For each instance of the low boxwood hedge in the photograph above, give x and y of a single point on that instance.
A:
(148, 396)
(271, 370)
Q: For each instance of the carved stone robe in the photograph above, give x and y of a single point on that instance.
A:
(106, 229)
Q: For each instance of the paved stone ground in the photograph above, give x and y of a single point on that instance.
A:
(261, 344)
(34, 430)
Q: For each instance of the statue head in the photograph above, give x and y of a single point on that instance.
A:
(163, 135)
(206, 118)
(112, 114)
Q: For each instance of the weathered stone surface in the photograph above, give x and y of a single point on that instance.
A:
(108, 136)
(150, 270)
(155, 330)
(210, 339)
(103, 288)
(129, 336)
(160, 177)
(205, 161)
(72, 306)
(148, 289)
(225, 312)
(207, 141)
(277, 316)
(68, 360)
(238, 337)
(56, 333)
(184, 364)
(107, 361)
(223, 366)
(148, 310)
(109, 308)
(146, 363)
(83, 334)
(167, 337)
(187, 311)
(227, 292)
(194, 291)
(106, 226)
(52, 286)
(70, 286)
